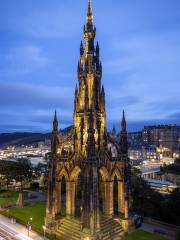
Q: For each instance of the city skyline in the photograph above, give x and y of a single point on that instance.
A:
(40, 47)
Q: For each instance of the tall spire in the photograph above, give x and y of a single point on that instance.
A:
(90, 96)
(89, 30)
(89, 12)
(55, 122)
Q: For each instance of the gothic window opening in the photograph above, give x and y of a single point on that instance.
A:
(63, 196)
(115, 194)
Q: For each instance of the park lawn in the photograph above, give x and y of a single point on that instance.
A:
(7, 197)
(142, 235)
(36, 212)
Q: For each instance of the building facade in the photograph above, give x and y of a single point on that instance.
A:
(83, 162)
(167, 136)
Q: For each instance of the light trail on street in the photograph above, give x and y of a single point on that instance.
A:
(8, 234)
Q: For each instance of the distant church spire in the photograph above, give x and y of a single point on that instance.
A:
(114, 130)
(123, 122)
(123, 136)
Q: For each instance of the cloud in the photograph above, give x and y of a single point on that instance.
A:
(175, 116)
(33, 120)
(139, 44)
(115, 97)
(21, 95)
(22, 60)
(44, 20)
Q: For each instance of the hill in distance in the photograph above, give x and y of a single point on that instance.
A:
(26, 138)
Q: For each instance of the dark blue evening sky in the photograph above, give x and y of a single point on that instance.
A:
(39, 51)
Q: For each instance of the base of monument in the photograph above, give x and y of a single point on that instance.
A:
(71, 228)
(127, 224)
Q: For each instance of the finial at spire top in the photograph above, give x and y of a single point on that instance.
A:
(89, 13)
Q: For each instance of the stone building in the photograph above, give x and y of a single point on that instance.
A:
(97, 192)
(167, 136)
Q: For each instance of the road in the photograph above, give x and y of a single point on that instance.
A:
(15, 231)
(7, 233)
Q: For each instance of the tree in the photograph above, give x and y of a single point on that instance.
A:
(172, 206)
(7, 171)
(24, 171)
(21, 171)
(145, 200)
(149, 203)
(41, 172)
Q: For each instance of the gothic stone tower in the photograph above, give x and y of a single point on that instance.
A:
(82, 162)
(89, 96)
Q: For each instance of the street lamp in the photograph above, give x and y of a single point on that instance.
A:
(44, 229)
(29, 225)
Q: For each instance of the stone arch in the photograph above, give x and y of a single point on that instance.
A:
(103, 194)
(60, 189)
(76, 190)
(75, 173)
(117, 173)
(118, 190)
(63, 173)
(104, 173)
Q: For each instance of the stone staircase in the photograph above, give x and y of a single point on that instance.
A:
(110, 229)
(70, 229)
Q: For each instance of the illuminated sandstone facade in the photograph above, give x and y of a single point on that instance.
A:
(89, 95)
(83, 160)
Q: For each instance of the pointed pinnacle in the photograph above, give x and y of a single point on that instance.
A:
(97, 48)
(81, 48)
(89, 13)
(76, 89)
(123, 123)
(89, 7)
(55, 116)
(103, 89)
(55, 122)
(124, 115)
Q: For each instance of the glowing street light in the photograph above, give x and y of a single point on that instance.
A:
(29, 225)
(44, 229)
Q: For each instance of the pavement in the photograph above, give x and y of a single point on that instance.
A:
(15, 231)
(162, 230)
(39, 197)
